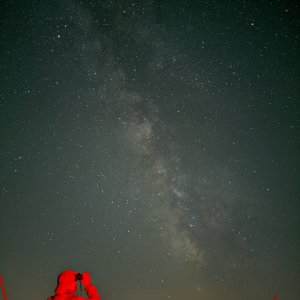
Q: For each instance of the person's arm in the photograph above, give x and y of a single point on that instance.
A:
(89, 288)
(92, 292)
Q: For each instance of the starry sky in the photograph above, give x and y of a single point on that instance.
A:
(152, 143)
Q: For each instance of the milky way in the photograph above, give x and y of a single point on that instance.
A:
(153, 144)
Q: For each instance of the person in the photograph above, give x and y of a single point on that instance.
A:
(67, 285)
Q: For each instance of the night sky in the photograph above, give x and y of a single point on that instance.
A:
(154, 144)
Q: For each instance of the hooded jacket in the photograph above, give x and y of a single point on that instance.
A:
(67, 285)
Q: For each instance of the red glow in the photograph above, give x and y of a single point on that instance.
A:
(67, 285)
(3, 289)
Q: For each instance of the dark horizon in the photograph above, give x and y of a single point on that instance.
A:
(154, 144)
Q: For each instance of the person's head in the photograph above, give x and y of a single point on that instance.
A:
(66, 282)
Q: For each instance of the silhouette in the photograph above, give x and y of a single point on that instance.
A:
(67, 286)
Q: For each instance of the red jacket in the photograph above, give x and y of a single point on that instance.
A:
(67, 285)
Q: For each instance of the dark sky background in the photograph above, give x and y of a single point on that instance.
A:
(154, 144)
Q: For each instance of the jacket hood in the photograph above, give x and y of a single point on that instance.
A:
(66, 276)
(66, 282)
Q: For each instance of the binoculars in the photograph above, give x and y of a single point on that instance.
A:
(78, 276)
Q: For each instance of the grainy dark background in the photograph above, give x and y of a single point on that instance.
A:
(154, 144)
